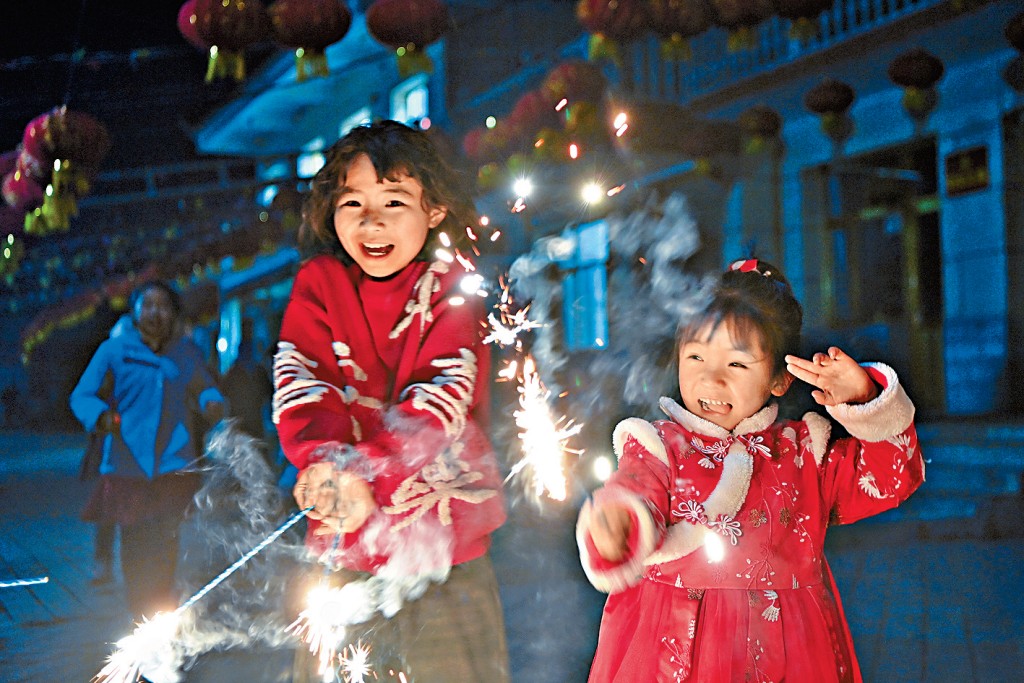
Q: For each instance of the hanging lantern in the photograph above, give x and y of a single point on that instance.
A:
(803, 15)
(187, 20)
(574, 80)
(531, 113)
(917, 72)
(675, 22)
(610, 23)
(761, 124)
(308, 27)
(36, 156)
(830, 100)
(740, 18)
(408, 27)
(229, 27)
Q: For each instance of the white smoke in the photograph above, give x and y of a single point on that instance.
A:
(650, 294)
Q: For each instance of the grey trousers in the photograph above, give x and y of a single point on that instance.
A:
(454, 633)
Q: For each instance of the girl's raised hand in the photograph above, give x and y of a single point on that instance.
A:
(837, 376)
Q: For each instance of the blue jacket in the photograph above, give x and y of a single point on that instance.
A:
(158, 397)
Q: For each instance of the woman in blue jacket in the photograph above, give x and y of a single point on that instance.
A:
(159, 386)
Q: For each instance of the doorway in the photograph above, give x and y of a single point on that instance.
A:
(883, 255)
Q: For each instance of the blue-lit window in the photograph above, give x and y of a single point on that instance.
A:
(409, 100)
(585, 287)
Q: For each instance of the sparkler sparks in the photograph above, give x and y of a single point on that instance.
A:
(544, 439)
(16, 583)
(152, 645)
(324, 622)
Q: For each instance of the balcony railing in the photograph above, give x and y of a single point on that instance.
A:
(714, 66)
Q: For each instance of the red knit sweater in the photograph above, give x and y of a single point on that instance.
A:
(392, 376)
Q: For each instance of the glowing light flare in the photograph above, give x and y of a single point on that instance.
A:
(495, 235)
(444, 255)
(519, 206)
(574, 150)
(317, 627)
(510, 371)
(562, 104)
(445, 239)
(456, 300)
(523, 187)
(714, 547)
(602, 468)
(544, 440)
(591, 193)
(470, 233)
(485, 221)
(620, 120)
(615, 190)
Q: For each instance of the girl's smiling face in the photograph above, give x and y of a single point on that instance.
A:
(724, 378)
(382, 224)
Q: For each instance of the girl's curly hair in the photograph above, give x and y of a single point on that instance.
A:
(394, 149)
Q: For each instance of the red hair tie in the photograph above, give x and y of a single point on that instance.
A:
(745, 265)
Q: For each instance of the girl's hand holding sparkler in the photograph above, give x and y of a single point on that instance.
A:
(340, 500)
(610, 526)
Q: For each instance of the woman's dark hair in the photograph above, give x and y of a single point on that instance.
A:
(141, 290)
(753, 297)
(394, 149)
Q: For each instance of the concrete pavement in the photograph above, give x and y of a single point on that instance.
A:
(932, 591)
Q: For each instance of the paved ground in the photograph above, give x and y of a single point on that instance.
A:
(930, 595)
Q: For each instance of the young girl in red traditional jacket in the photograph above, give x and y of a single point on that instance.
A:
(381, 396)
(709, 537)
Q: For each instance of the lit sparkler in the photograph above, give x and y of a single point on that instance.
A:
(16, 583)
(544, 439)
(152, 645)
(324, 622)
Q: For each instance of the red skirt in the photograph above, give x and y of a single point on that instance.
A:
(129, 500)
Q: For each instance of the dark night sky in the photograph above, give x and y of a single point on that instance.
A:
(49, 27)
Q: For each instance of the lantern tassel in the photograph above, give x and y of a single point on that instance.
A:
(225, 63)
(676, 49)
(310, 63)
(411, 61)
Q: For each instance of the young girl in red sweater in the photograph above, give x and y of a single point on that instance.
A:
(381, 396)
(709, 536)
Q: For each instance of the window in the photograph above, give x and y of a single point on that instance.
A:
(357, 118)
(585, 287)
(409, 100)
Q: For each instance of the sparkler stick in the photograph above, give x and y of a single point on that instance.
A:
(153, 640)
(15, 583)
(244, 558)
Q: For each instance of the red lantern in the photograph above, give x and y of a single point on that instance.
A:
(531, 113)
(229, 27)
(408, 27)
(917, 72)
(675, 22)
(21, 191)
(574, 80)
(611, 22)
(739, 18)
(187, 26)
(308, 27)
(804, 16)
(37, 148)
(830, 100)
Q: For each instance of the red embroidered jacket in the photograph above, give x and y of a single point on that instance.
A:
(390, 378)
(726, 578)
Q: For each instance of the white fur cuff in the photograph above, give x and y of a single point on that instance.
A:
(629, 573)
(889, 414)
